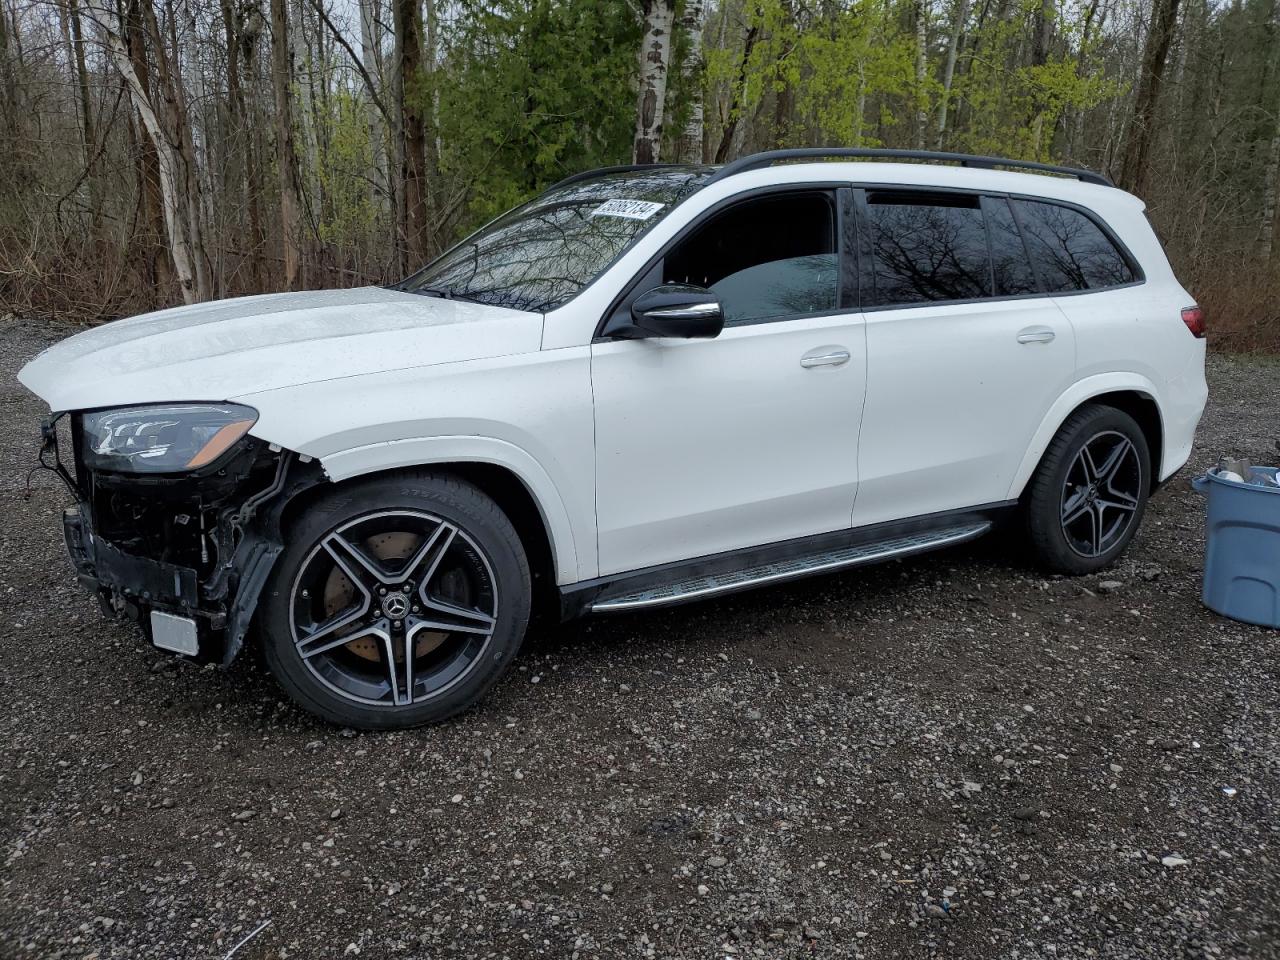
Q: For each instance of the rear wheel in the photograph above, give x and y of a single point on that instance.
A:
(1089, 493)
(398, 602)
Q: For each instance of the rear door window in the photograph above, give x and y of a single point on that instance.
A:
(926, 247)
(1070, 251)
(1010, 262)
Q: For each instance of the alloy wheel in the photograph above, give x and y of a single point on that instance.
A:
(1101, 493)
(393, 608)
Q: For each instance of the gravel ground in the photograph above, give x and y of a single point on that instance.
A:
(947, 757)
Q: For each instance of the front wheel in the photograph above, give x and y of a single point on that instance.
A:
(1088, 495)
(397, 602)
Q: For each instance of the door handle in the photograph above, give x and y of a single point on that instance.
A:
(1035, 335)
(830, 357)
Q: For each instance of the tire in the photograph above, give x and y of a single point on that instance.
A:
(1088, 494)
(397, 602)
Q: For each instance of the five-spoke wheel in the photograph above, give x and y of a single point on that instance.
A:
(1101, 493)
(1088, 494)
(403, 602)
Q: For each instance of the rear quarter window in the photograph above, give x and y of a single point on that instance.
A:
(1069, 250)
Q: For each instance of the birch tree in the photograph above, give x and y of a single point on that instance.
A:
(655, 58)
(690, 147)
(959, 13)
(176, 211)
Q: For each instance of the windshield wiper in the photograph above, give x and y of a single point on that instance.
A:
(443, 292)
(446, 293)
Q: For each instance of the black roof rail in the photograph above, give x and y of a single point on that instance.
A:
(757, 160)
(623, 168)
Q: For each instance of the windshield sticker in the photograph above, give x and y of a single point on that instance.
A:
(630, 209)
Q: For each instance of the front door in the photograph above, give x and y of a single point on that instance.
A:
(707, 446)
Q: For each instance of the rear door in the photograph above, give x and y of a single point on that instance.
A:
(966, 354)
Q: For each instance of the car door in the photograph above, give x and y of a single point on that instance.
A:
(966, 354)
(707, 446)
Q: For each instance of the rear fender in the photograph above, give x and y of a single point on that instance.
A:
(1080, 392)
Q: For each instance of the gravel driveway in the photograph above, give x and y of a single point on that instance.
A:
(950, 756)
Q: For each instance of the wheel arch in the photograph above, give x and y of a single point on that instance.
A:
(503, 471)
(1133, 394)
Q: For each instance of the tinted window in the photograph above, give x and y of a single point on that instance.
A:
(540, 255)
(928, 247)
(1009, 262)
(766, 259)
(1070, 251)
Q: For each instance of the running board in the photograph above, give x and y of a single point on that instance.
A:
(695, 588)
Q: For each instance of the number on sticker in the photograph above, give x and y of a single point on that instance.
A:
(630, 209)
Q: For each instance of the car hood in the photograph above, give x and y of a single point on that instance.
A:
(232, 348)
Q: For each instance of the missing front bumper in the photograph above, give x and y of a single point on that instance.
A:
(139, 588)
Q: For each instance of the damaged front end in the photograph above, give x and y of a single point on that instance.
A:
(184, 552)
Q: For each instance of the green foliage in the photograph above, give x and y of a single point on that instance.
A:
(860, 67)
(1013, 109)
(351, 213)
(537, 90)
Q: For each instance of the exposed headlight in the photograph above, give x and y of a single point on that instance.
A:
(162, 439)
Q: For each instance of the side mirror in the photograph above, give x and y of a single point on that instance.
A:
(678, 310)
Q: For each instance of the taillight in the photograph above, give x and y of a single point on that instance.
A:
(1193, 317)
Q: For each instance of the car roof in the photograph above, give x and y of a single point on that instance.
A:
(877, 168)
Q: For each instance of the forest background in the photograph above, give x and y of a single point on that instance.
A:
(154, 153)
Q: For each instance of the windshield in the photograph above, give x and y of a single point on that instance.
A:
(542, 254)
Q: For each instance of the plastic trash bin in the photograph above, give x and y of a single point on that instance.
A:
(1242, 547)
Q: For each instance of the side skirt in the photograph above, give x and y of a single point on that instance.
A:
(684, 581)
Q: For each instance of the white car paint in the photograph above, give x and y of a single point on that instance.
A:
(697, 444)
(229, 348)
(951, 398)
(643, 452)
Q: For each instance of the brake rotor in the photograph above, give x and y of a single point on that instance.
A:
(339, 594)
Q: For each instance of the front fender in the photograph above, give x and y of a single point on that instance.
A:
(1078, 393)
(423, 451)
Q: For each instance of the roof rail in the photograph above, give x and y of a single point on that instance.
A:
(769, 157)
(623, 168)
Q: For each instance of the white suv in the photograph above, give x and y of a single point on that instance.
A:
(646, 386)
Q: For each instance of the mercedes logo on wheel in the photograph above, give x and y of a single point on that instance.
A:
(395, 605)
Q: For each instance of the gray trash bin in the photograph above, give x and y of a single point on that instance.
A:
(1242, 547)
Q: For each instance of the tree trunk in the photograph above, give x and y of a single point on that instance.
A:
(173, 97)
(370, 45)
(286, 155)
(175, 212)
(430, 118)
(154, 247)
(414, 228)
(1134, 167)
(1082, 68)
(922, 70)
(8, 81)
(1042, 36)
(1270, 226)
(242, 141)
(89, 135)
(727, 133)
(690, 148)
(655, 56)
(959, 13)
(300, 69)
